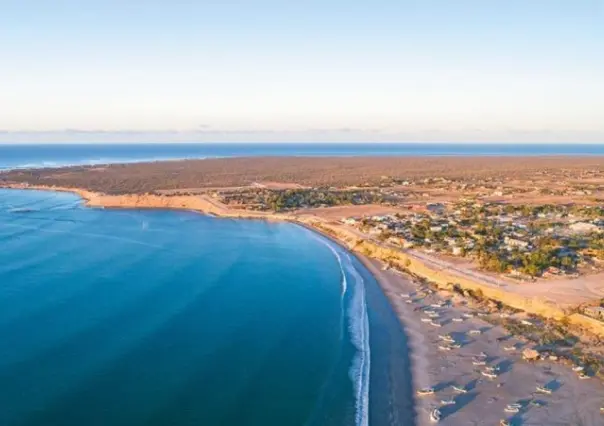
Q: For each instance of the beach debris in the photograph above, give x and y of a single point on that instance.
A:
(530, 354)
(536, 403)
(435, 415)
(425, 391)
(459, 389)
(583, 376)
(455, 345)
(544, 389)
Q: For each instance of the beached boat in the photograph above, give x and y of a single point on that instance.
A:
(409, 301)
(444, 348)
(489, 374)
(457, 319)
(435, 324)
(504, 422)
(459, 389)
(578, 368)
(455, 345)
(543, 389)
(435, 415)
(509, 348)
(479, 362)
(510, 409)
(492, 369)
(450, 401)
(468, 315)
(425, 391)
(425, 320)
(475, 331)
(446, 338)
(584, 376)
(405, 296)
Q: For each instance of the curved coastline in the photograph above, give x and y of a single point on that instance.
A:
(412, 342)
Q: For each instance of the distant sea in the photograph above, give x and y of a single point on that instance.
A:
(47, 155)
(155, 318)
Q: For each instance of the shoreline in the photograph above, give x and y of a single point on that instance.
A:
(414, 341)
(428, 368)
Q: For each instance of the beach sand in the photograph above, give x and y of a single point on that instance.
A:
(572, 402)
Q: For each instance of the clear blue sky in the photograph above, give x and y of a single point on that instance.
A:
(383, 70)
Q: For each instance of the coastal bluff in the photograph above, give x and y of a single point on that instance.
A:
(444, 279)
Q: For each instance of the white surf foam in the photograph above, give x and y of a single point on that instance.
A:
(358, 325)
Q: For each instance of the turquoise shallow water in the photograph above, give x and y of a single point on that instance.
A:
(130, 317)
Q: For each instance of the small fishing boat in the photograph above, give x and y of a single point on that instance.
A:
(459, 389)
(543, 389)
(510, 409)
(455, 346)
(425, 391)
(504, 422)
(510, 348)
(489, 374)
(444, 348)
(409, 301)
(468, 315)
(479, 362)
(450, 401)
(435, 324)
(435, 415)
(578, 368)
(446, 338)
(457, 319)
(584, 376)
(425, 320)
(475, 331)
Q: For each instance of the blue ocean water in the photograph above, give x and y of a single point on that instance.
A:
(140, 317)
(19, 156)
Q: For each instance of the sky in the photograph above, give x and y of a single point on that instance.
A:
(312, 70)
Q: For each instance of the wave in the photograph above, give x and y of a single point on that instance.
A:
(358, 326)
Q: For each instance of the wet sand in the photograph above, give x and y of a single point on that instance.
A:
(572, 402)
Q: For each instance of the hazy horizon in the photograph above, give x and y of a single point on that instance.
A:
(264, 71)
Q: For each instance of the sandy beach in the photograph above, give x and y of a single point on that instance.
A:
(572, 401)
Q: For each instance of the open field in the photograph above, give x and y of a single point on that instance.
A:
(307, 171)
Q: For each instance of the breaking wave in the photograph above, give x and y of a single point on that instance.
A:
(358, 326)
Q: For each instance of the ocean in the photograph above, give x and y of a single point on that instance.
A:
(151, 317)
(48, 155)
